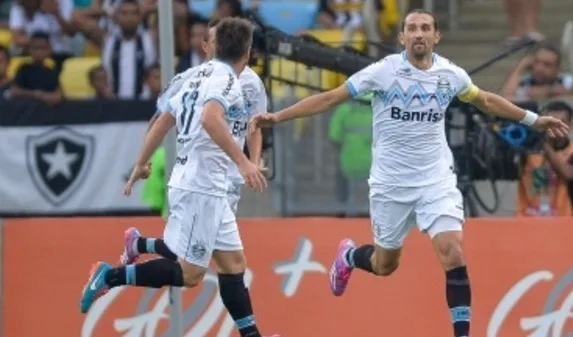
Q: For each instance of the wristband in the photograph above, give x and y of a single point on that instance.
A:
(530, 118)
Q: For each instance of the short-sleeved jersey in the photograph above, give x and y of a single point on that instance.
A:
(255, 97)
(409, 140)
(173, 87)
(201, 165)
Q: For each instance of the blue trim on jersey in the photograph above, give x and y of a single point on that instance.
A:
(221, 101)
(351, 88)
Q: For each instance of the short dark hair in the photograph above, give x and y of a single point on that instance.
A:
(39, 35)
(234, 39)
(550, 48)
(421, 11)
(555, 106)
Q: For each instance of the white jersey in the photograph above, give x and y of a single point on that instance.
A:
(201, 165)
(409, 141)
(173, 87)
(255, 97)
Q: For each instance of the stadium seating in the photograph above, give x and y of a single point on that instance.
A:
(289, 16)
(335, 38)
(5, 37)
(74, 77)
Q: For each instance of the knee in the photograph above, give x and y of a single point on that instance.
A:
(384, 267)
(450, 253)
(230, 262)
(192, 275)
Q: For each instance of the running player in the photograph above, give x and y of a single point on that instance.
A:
(201, 224)
(256, 100)
(412, 179)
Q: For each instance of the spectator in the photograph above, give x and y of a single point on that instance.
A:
(546, 186)
(127, 52)
(228, 8)
(153, 87)
(538, 77)
(523, 16)
(37, 79)
(340, 13)
(351, 133)
(50, 16)
(4, 62)
(196, 54)
(99, 82)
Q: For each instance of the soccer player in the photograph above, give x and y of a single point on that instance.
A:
(210, 114)
(412, 179)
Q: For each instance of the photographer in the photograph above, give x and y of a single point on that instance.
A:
(546, 186)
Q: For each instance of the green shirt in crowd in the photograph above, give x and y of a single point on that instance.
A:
(351, 129)
(154, 193)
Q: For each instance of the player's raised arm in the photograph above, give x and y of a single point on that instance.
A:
(496, 105)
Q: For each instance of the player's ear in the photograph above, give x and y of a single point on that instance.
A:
(437, 37)
(401, 38)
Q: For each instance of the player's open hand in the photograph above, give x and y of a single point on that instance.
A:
(138, 172)
(262, 120)
(554, 127)
(253, 175)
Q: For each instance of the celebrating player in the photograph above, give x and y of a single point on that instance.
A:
(211, 118)
(412, 179)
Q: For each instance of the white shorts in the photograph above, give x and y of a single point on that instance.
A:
(198, 224)
(395, 210)
(233, 196)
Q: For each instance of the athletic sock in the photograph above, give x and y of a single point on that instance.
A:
(236, 298)
(154, 246)
(360, 257)
(152, 274)
(458, 295)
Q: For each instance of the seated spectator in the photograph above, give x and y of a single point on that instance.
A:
(127, 52)
(99, 19)
(340, 13)
(196, 55)
(546, 186)
(4, 62)
(37, 79)
(538, 78)
(153, 87)
(99, 82)
(50, 16)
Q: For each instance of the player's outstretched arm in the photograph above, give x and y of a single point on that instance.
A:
(496, 105)
(315, 104)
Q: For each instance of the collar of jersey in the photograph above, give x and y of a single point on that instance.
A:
(226, 64)
(405, 58)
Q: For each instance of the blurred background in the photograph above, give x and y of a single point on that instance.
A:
(78, 80)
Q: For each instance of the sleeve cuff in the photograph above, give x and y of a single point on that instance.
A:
(221, 101)
(351, 89)
(469, 94)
